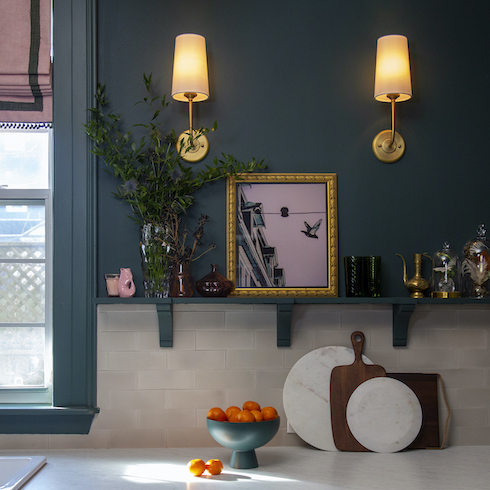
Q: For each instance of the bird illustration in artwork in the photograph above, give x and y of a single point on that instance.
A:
(311, 230)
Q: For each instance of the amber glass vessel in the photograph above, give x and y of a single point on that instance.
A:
(214, 284)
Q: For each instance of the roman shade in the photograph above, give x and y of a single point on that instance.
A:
(25, 61)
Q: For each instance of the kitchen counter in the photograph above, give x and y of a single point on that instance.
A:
(290, 467)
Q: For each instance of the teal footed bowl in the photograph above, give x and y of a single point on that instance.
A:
(243, 438)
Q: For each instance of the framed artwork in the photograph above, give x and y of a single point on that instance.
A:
(282, 235)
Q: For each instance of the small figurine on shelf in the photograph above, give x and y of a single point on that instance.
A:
(445, 280)
(476, 266)
(126, 285)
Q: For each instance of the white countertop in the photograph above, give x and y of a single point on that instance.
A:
(291, 467)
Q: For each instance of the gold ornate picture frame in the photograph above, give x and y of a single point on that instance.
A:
(282, 235)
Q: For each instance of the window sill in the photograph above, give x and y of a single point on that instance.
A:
(41, 419)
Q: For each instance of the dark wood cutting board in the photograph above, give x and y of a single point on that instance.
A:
(425, 387)
(344, 380)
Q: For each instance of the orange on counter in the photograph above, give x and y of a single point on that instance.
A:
(269, 413)
(245, 416)
(217, 413)
(196, 466)
(214, 466)
(251, 406)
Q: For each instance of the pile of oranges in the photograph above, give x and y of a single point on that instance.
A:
(250, 412)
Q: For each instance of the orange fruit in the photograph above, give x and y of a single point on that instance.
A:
(230, 410)
(245, 416)
(233, 416)
(258, 415)
(214, 466)
(251, 406)
(196, 466)
(217, 414)
(269, 413)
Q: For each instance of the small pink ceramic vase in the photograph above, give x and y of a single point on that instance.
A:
(126, 285)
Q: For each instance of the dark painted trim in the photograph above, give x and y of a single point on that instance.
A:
(74, 316)
(46, 420)
(74, 313)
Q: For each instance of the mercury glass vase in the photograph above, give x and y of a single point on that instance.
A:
(155, 260)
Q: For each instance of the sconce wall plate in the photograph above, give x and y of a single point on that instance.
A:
(384, 150)
(193, 149)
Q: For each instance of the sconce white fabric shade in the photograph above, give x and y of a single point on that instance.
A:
(392, 69)
(190, 74)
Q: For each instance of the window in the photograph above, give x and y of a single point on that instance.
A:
(25, 265)
(74, 230)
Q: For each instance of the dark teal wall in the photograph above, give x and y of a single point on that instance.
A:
(292, 82)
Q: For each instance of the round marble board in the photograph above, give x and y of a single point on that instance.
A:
(384, 415)
(306, 395)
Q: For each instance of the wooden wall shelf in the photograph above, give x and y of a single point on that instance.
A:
(402, 311)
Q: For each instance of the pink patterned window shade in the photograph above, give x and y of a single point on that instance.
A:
(25, 61)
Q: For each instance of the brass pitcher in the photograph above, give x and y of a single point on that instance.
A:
(417, 285)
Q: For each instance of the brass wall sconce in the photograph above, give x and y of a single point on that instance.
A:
(392, 84)
(190, 84)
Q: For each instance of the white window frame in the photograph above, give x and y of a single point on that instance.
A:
(36, 395)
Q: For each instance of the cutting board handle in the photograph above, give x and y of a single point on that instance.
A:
(357, 339)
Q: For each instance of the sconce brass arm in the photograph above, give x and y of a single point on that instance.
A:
(388, 145)
(192, 145)
(393, 98)
(190, 96)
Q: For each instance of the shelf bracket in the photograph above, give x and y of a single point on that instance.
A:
(401, 318)
(284, 312)
(165, 324)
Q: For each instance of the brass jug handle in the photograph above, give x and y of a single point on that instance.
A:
(425, 254)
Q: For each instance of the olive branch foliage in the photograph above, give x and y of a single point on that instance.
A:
(155, 181)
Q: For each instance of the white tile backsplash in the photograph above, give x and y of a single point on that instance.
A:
(138, 399)
(225, 379)
(24, 441)
(227, 354)
(256, 319)
(117, 341)
(167, 418)
(138, 361)
(192, 320)
(198, 360)
(119, 418)
(166, 379)
(473, 397)
(197, 399)
(256, 359)
(474, 358)
(225, 340)
(312, 317)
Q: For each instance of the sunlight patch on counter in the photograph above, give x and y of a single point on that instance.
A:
(151, 473)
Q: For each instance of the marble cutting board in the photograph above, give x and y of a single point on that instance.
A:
(384, 415)
(306, 395)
